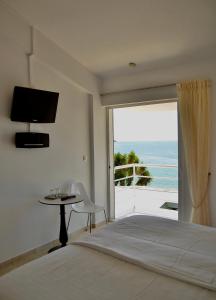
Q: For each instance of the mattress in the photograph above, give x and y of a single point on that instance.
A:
(79, 272)
(180, 250)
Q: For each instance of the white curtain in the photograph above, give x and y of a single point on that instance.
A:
(194, 108)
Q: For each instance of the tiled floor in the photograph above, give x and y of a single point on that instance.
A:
(129, 200)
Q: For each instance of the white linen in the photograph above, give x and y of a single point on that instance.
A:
(80, 273)
(180, 250)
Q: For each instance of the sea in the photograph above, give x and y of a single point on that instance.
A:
(155, 153)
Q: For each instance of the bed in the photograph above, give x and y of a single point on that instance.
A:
(139, 257)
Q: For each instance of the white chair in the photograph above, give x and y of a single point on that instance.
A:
(86, 206)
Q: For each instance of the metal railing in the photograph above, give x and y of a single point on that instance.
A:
(135, 176)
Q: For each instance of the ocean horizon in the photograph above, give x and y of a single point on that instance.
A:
(155, 153)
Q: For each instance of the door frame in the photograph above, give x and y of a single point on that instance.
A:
(182, 178)
(110, 165)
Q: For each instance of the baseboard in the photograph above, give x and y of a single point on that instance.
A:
(98, 225)
(32, 254)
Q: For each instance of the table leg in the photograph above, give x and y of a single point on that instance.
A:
(63, 236)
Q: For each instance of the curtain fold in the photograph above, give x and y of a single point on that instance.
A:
(194, 109)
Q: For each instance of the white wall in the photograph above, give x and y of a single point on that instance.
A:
(172, 74)
(100, 155)
(26, 175)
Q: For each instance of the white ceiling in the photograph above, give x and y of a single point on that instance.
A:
(104, 35)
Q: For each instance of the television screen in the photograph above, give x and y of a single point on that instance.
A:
(34, 106)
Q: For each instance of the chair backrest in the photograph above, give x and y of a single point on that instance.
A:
(76, 188)
(70, 188)
(82, 192)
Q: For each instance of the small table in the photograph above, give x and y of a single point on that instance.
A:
(63, 236)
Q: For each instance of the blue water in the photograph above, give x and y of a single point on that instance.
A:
(156, 152)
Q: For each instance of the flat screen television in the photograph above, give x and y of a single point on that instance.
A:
(34, 106)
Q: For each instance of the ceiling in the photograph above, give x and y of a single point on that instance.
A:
(105, 35)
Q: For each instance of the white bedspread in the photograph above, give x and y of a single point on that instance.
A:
(180, 250)
(80, 273)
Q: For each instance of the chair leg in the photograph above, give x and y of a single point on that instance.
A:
(69, 219)
(105, 216)
(87, 223)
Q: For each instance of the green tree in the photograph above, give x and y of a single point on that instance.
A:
(130, 158)
(119, 160)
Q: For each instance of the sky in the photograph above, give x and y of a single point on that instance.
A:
(157, 122)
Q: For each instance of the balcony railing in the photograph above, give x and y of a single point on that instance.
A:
(136, 176)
